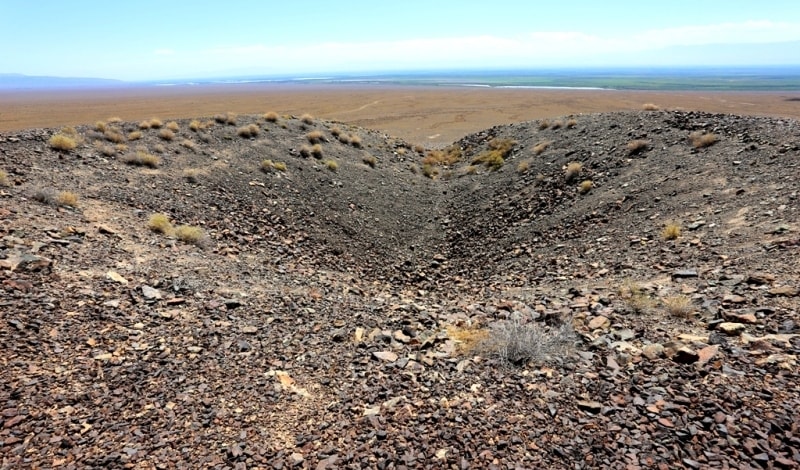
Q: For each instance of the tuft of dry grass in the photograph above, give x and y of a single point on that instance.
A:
(62, 142)
(430, 171)
(445, 157)
(158, 148)
(114, 120)
(186, 143)
(100, 126)
(189, 234)
(144, 125)
(344, 138)
(114, 135)
(268, 166)
(355, 141)
(401, 151)
(571, 123)
(107, 150)
(279, 166)
(369, 160)
(650, 107)
(572, 171)
(271, 116)
(523, 166)
(160, 223)
(470, 169)
(419, 149)
(671, 231)
(173, 126)
(701, 139)
(494, 158)
(635, 297)
(305, 151)
(67, 198)
(678, 306)
(142, 158)
(121, 148)
(192, 175)
(4, 180)
(315, 137)
(166, 134)
(307, 118)
(637, 146)
(248, 131)
(195, 125)
(135, 135)
(316, 151)
(585, 186)
(44, 195)
(335, 131)
(331, 164)
(521, 340)
(557, 124)
(539, 148)
(467, 339)
(544, 124)
(155, 123)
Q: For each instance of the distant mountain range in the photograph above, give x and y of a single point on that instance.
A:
(17, 81)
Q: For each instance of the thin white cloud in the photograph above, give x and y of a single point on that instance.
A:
(531, 49)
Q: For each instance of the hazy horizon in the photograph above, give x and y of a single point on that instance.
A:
(161, 41)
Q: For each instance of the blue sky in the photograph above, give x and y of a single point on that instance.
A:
(147, 39)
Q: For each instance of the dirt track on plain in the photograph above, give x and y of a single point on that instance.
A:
(426, 115)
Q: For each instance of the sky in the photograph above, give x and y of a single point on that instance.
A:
(152, 40)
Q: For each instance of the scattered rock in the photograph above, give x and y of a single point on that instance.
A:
(731, 329)
(114, 276)
(653, 351)
(784, 291)
(387, 356)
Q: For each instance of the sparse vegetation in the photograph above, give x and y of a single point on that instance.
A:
(195, 125)
(572, 171)
(144, 125)
(316, 151)
(158, 148)
(135, 135)
(4, 180)
(557, 124)
(344, 138)
(585, 186)
(637, 146)
(445, 157)
(678, 306)
(701, 139)
(355, 141)
(271, 116)
(650, 107)
(307, 118)
(114, 120)
(100, 126)
(331, 164)
(63, 142)
(305, 151)
(160, 223)
(229, 118)
(419, 149)
(107, 150)
(120, 148)
(494, 158)
(430, 171)
(67, 198)
(519, 341)
(155, 123)
(369, 160)
(279, 166)
(189, 234)
(523, 166)
(45, 195)
(114, 135)
(539, 148)
(315, 137)
(468, 339)
(671, 231)
(635, 297)
(336, 132)
(186, 143)
(571, 123)
(267, 166)
(142, 158)
(470, 169)
(248, 131)
(166, 134)
(192, 175)
(544, 124)
(173, 126)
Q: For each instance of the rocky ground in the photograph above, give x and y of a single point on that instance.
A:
(394, 313)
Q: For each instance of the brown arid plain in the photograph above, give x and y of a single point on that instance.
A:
(431, 116)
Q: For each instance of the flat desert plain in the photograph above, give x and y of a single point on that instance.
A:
(425, 115)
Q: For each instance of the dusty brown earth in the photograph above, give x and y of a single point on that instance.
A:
(425, 115)
(393, 313)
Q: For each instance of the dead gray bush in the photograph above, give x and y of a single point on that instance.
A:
(520, 340)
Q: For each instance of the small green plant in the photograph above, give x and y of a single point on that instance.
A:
(650, 107)
(572, 171)
(678, 306)
(62, 142)
(142, 158)
(67, 198)
(637, 146)
(331, 164)
(189, 234)
(315, 137)
(671, 231)
(369, 160)
(585, 186)
(307, 118)
(160, 223)
(701, 139)
(166, 134)
(271, 116)
(248, 131)
(539, 148)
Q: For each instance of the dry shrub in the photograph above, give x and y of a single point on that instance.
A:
(637, 146)
(305, 151)
(248, 131)
(369, 160)
(166, 134)
(44, 195)
(315, 137)
(523, 166)
(430, 171)
(401, 151)
(114, 135)
(572, 171)
(62, 142)
(413, 169)
(557, 124)
(650, 107)
(271, 116)
(635, 297)
(158, 148)
(268, 166)
(521, 340)
(144, 125)
(280, 166)
(355, 141)
(445, 157)
(701, 139)
(121, 148)
(307, 118)
(189, 234)
(539, 148)
(230, 118)
(100, 126)
(336, 132)
(173, 126)
(344, 138)
(195, 125)
(186, 143)
(468, 339)
(419, 149)
(571, 123)
(135, 135)
(114, 120)
(4, 180)
(470, 169)
(331, 164)
(142, 158)
(316, 151)
(107, 150)
(585, 186)
(160, 223)
(671, 231)
(494, 158)
(678, 306)
(155, 123)
(544, 124)
(67, 198)
(192, 175)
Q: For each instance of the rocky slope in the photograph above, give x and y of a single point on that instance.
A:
(358, 317)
